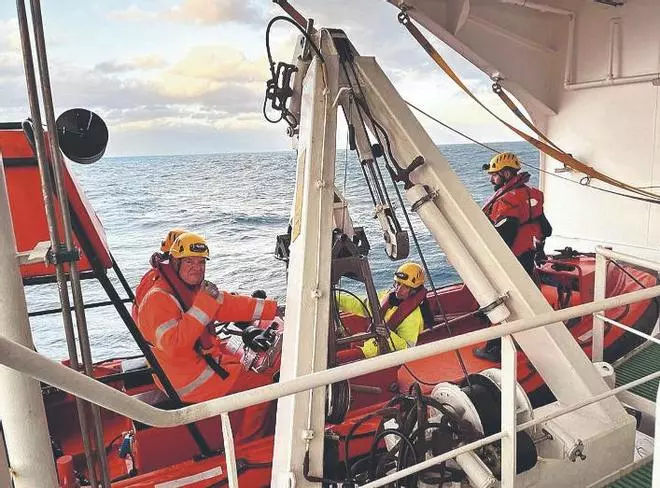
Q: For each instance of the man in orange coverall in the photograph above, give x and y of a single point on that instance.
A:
(176, 308)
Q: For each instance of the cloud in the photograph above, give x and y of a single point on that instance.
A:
(199, 12)
(151, 61)
(133, 13)
(9, 36)
(219, 63)
(210, 12)
(10, 65)
(211, 95)
(177, 137)
(211, 75)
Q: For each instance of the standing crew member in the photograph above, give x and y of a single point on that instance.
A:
(516, 211)
(404, 311)
(179, 332)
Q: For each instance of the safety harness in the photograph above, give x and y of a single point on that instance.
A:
(404, 307)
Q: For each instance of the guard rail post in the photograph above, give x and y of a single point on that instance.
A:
(508, 411)
(600, 278)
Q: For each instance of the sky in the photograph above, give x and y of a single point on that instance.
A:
(188, 76)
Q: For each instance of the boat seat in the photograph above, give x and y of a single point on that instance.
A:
(149, 442)
(138, 373)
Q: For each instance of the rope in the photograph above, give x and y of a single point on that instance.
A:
(377, 129)
(485, 146)
(550, 150)
(549, 173)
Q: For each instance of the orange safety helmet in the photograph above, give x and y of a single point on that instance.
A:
(171, 236)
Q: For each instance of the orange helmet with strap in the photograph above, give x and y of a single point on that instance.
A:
(171, 236)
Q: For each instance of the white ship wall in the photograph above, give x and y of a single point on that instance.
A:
(616, 129)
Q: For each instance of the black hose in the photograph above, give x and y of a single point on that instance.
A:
(378, 438)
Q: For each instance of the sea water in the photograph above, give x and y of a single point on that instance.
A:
(239, 202)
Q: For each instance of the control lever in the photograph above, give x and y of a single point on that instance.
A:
(256, 339)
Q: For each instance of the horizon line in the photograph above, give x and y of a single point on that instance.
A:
(266, 151)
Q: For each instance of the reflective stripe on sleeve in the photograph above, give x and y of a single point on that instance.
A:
(199, 315)
(162, 329)
(196, 383)
(158, 290)
(258, 309)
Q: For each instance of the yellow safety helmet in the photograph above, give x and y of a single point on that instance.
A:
(410, 274)
(501, 161)
(189, 245)
(171, 236)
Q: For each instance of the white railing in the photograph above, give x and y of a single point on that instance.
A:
(604, 254)
(25, 360)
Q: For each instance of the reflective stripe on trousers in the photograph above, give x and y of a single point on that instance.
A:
(202, 378)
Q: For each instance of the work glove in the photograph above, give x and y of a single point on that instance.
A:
(210, 289)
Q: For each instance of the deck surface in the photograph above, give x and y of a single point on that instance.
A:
(645, 362)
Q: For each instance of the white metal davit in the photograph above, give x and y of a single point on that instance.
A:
(458, 225)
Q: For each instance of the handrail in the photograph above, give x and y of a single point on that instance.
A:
(627, 329)
(24, 360)
(628, 258)
(604, 254)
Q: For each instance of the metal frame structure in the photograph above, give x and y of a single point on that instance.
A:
(50, 190)
(446, 208)
(300, 423)
(22, 359)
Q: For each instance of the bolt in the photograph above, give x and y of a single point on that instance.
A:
(307, 435)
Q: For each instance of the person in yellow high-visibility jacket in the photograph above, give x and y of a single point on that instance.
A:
(402, 313)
